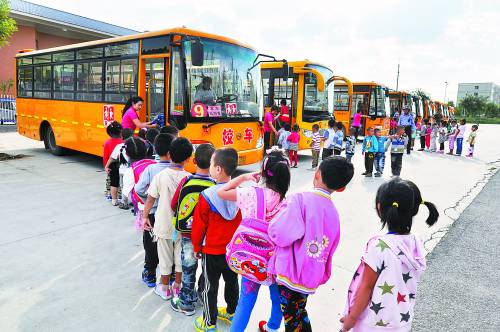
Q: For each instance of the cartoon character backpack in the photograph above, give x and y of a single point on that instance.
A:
(188, 199)
(250, 249)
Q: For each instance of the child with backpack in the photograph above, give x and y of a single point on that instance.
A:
(114, 131)
(162, 147)
(163, 188)
(306, 232)
(293, 140)
(383, 290)
(275, 179)
(183, 204)
(398, 146)
(283, 138)
(118, 159)
(214, 223)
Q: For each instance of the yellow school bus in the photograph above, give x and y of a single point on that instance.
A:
(307, 89)
(66, 96)
(400, 99)
(369, 97)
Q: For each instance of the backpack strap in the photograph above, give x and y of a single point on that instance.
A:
(260, 210)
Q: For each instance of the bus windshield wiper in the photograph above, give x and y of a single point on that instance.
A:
(208, 125)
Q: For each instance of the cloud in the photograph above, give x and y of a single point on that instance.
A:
(435, 41)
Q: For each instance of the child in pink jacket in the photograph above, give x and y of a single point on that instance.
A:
(306, 232)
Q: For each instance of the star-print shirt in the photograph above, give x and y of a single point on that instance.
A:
(399, 261)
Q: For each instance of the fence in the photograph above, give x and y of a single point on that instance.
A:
(7, 109)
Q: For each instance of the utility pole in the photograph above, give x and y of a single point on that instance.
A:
(445, 88)
(397, 79)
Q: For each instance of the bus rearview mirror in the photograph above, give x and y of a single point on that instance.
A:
(197, 53)
(285, 71)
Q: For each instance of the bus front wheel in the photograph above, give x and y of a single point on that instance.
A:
(50, 142)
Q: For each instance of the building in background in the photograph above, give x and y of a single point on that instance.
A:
(40, 27)
(489, 90)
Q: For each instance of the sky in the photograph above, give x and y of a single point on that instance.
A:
(434, 41)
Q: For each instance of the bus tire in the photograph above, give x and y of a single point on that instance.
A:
(50, 142)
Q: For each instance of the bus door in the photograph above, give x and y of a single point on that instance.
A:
(155, 88)
(277, 89)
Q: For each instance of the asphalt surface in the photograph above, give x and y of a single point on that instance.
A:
(460, 291)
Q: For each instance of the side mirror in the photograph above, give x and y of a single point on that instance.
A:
(197, 53)
(285, 71)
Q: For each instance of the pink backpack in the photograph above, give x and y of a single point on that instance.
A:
(250, 249)
(138, 167)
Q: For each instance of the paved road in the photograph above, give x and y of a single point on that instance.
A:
(460, 290)
(71, 261)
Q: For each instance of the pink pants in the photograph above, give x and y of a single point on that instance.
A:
(451, 140)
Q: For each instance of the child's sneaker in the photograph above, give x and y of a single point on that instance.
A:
(378, 174)
(148, 279)
(114, 202)
(163, 291)
(177, 306)
(263, 327)
(224, 315)
(368, 175)
(108, 197)
(176, 289)
(199, 325)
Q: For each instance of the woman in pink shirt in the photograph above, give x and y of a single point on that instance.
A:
(269, 119)
(356, 122)
(130, 119)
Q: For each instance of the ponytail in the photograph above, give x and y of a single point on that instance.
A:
(433, 213)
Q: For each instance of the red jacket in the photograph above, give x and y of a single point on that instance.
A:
(109, 146)
(211, 233)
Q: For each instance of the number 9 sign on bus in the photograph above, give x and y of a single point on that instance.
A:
(198, 110)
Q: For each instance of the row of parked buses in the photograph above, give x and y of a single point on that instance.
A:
(66, 96)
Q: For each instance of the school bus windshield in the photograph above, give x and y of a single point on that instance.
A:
(222, 88)
(317, 103)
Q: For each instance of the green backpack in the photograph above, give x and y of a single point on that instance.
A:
(188, 199)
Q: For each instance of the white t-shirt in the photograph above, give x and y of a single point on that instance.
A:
(163, 188)
(116, 155)
(462, 131)
(128, 182)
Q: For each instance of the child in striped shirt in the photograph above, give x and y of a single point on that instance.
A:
(315, 146)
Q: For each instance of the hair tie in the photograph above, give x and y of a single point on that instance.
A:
(423, 202)
(269, 173)
(395, 204)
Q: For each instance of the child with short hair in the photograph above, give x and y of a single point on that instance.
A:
(183, 204)
(163, 188)
(380, 154)
(162, 148)
(119, 155)
(214, 223)
(328, 137)
(398, 146)
(294, 139)
(368, 149)
(114, 131)
(442, 131)
(283, 142)
(350, 144)
(472, 140)
(460, 136)
(172, 130)
(315, 146)
(338, 139)
(151, 134)
(306, 232)
(383, 290)
(452, 136)
(275, 182)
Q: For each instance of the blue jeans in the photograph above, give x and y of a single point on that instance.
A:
(248, 296)
(380, 162)
(459, 145)
(188, 295)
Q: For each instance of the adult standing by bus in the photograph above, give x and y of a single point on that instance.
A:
(269, 127)
(408, 122)
(130, 118)
(356, 121)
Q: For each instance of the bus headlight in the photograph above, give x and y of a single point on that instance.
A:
(260, 143)
(307, 133)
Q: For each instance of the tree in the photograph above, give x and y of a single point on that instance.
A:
(473, 105)
(491, 110)
(422, 94)
(451, 103)
(7, 25)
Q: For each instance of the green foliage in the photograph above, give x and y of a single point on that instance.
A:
(451, 103)
(474, 106)
(7, 25)
(422, 94)
(491, 110)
